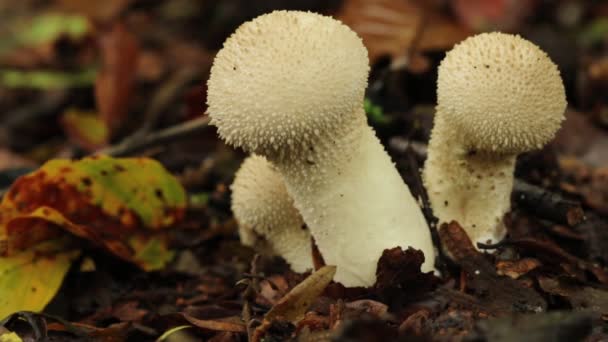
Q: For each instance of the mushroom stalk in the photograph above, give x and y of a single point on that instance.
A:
(355, 203)
(471, 187)
(267, 218)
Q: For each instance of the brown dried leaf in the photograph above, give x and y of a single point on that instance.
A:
(517, 268)
(594, 232)
(390, 27)
(399, 280)
(10, 160)
(579, 138)
(115, 81)
(580, 297)
(484, 15)
(294, 304)
(229, 324)
(368, 306)
(272, 290)
(129, 312)
(500, 294)
(552, 253)
(549, 326)
(100, 10)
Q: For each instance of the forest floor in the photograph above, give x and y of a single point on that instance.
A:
(127, 78)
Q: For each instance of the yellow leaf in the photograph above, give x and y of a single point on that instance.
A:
(120, 204)
(31, 278)
(10, 337)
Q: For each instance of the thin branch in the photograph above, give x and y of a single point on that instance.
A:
(163, 98)
(170, 134)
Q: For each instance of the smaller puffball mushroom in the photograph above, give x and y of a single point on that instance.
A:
(290, 86)
(267, 219)
(498, 95)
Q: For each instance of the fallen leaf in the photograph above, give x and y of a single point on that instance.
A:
(517, 268)
(580, 297)
(100, 10)
(115, 82)
(115, 203)
(499, 294)
(85, 128)
(296, 302)
(47, 80)
(551, 252)
(171, 331)
(399, 280)
(42, 28)
(368, 306)
(10, 337)
(549, 326)
(10, 160)
(129, 312)
(111, 333)
(390, 27)
(231, 324)
(31, 278)
(581, 140)
(492, 15)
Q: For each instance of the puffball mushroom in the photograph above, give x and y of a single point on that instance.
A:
(267, 218)
(498, 95)
(290, 86)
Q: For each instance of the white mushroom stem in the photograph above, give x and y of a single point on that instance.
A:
(267, 218)
(355, 203)
(471, 187)
(498, 95)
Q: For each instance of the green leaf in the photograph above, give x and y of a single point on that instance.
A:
(42, 28)
(375, 112)
(595, 32)
(124, 186)
(31, 278)
(121, 204)
(153, 254)
(47, 80)
(85, 128)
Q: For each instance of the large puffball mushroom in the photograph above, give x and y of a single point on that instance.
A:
(290, 86)
(498, 95)
(267, 218)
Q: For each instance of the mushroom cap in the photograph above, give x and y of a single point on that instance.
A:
(285, 78)
(502, 93)
(260, 199)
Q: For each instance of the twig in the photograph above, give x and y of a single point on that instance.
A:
(548, 205)
(163, 98)
(170, 134)
(249, 295)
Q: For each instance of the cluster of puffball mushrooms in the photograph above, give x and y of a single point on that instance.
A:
(288, 87)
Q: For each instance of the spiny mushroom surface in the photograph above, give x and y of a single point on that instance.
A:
(498, 95)
(267, 218)
(290, 86)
